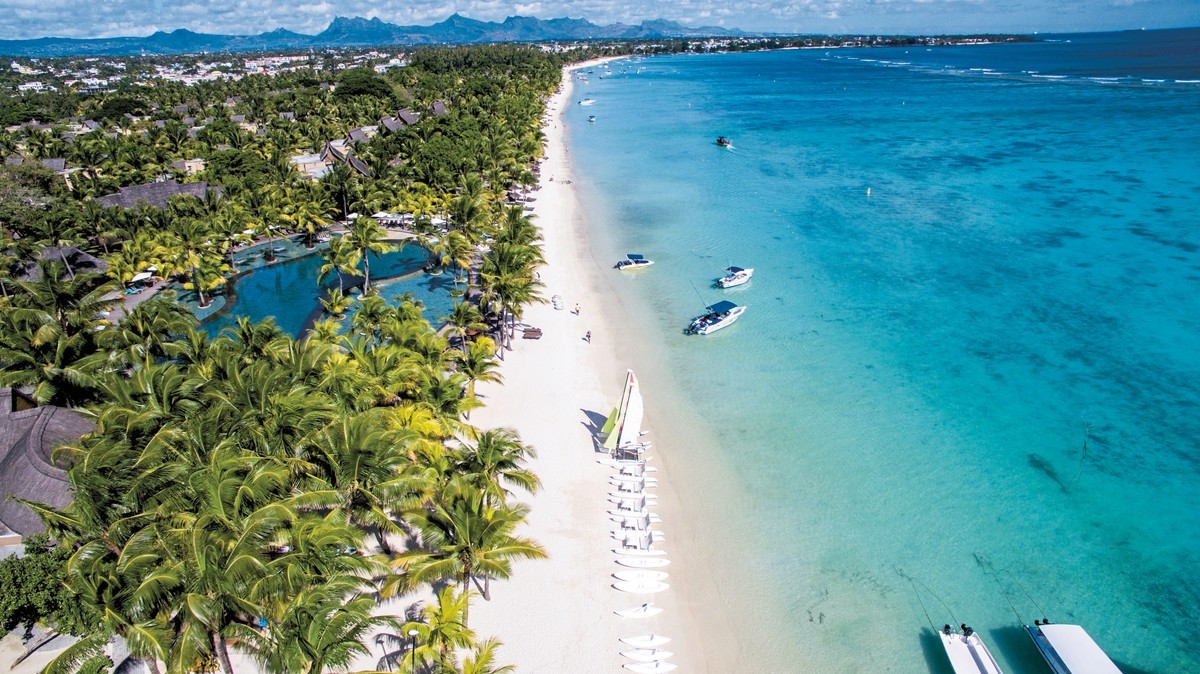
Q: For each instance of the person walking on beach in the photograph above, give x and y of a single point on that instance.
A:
(588, 337)
(576, 310)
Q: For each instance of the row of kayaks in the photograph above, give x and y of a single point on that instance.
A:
(715, 316)
(1067, 649)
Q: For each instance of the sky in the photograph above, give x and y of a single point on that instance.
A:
(21, 19)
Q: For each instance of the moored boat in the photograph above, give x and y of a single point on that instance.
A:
(735, 276)
(592, 118)
(587, 101)
(967, 652)
(633, 261)
(718, 316)
(1069, 649)
(724, 142)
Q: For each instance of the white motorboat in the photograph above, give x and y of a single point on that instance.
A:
(646, 640)
(634, 261)
(637, 576)
(718, 316)
(643, 562)
(734, 276)
(587, 101)
(647, 654)
(1068, 649)
(646, 610)
(592, 119)
(967, 652)
(640, 587)
(651, 667)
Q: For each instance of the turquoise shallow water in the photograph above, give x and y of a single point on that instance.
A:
(982, 375)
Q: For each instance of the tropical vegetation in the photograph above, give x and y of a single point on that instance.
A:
(257, 492)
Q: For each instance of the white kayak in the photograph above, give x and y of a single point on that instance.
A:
(635, 576)
(644, 611)
(638, 552)
(646, 640)
(651, 667)
(640, 587)
(647, 654)
(643, 562)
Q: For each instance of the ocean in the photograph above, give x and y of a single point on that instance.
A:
(967, 385)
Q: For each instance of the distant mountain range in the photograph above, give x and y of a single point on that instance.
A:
(359, 32)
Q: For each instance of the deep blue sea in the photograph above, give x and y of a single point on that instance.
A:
(968, 381)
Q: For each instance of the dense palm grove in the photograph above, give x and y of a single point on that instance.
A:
(256, 493)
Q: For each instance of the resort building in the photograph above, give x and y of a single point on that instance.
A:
(28, 437)
(155, 194)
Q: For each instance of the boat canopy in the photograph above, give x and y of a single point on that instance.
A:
(1077, 650)
(722, 307)
(735, 270)
(635, 256)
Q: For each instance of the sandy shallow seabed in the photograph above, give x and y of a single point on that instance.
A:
(556, 615)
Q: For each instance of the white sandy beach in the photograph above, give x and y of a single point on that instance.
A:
(557, 615)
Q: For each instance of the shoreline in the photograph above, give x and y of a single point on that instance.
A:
(555, 390)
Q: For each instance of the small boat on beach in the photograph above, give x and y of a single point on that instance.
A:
(640, 576)
(717, 316)
(633, 261)
(655, 667)
(724, 142)
(735, 276)
(640, 552)
(646, 610)
(967, 652)
(1068, 649)
(647, 654)
(643, 562)
(640, 587)
(646, 640)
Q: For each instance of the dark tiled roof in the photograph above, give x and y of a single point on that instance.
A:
(391, 124)
(79, 261)
(27, 439)
(358, 135)
(408, 116)
(237, 119)
(439, 108)
(153, 194)
(181, 109)
(290, 116)
(55, 164)
(359, 165)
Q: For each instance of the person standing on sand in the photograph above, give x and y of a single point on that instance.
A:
(588, 337)
(576, 311)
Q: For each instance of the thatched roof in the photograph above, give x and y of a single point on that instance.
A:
(27, 438)
(153, 194)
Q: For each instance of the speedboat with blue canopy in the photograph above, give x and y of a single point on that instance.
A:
(718, 315)
(634, 261)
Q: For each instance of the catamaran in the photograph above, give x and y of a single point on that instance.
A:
(623, 426)
(633, 261)
(967, 652)
(734, 276)
(719, 315)
(1068, 649)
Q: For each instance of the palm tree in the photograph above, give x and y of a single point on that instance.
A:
(496, 458)
(367, 236)
(358, 464)
(464, 321)
(443, 629)
(464, 538)
(306, 216)
(482, 661)
(478, 364)
(335, 303)
(341, 258)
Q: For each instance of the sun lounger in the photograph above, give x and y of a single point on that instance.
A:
(532, 333)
